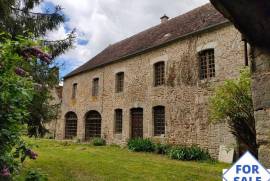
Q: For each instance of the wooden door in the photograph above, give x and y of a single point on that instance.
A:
(137, 123)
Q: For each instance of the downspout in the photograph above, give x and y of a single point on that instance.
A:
(245, 50)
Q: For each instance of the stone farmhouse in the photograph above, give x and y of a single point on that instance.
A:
(156, 84)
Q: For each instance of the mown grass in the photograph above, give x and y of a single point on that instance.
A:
(80, 162)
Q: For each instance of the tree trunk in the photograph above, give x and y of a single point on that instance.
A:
(261, 100)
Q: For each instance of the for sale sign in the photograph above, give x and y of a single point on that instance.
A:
(247, 168)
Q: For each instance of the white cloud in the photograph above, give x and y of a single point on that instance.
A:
(104, 22)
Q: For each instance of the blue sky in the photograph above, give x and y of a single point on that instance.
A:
(100, 23)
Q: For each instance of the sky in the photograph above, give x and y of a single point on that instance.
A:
(100, 23)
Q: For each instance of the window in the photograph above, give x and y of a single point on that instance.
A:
(74, 90)
(120, 82)
(95, 87)
(92, 125)
(159, 120)
(71, 125)
(118, 121)
(159, 73)
(207, 64)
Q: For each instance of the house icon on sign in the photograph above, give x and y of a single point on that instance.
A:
(247, 168)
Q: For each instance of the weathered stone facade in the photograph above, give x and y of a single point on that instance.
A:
(184, 95)
(56, 94)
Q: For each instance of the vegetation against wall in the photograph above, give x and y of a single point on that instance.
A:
(183, 153)
(232, 102)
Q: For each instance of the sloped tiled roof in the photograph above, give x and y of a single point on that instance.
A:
(198, 19)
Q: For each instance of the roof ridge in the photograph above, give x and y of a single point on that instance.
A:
(205, 16)
(158, 25)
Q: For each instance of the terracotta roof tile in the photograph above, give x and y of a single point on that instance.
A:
(193, 21)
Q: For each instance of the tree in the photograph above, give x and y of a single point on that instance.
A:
(17, 89)
(17, 18)
(252, 19)
(232, 102)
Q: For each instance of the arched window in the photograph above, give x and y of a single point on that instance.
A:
(159, 73)
(159, 120)
(92, 125)
(207, 64)
(71, 125)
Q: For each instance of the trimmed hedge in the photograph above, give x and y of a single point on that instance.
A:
(188, 153)
(141, 145)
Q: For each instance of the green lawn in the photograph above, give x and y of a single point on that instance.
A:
(84, 163)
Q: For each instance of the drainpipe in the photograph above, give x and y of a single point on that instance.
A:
(245, 49)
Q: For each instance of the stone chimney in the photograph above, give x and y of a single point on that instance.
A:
(164, 18)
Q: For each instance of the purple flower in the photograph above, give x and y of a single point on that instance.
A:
(19, 71)
(35, 51)
(5, 172)
(32, 155)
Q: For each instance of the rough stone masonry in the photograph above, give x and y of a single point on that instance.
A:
(176, 42)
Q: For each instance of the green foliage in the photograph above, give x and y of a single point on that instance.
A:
(232, 102)
(35, 175)
(162, 148)
(15, 96)
(83, 162)
(17, 18)
(98, 142)
(141, 145)
(193, 153)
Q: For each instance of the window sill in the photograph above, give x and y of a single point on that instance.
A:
(118, 136)
(160, 136)
(94, 98)
(159, 87)
(119, 93)
(210, 80)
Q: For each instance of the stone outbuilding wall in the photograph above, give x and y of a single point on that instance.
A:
(184, 95)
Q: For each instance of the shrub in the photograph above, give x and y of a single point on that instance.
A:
(49, 136)
(188, 153)
(34, 175)
(162, 148)
(98, 142)
(141, 145)
(232, 103)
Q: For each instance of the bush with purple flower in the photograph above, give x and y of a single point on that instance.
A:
(5, 173)
(32, 155)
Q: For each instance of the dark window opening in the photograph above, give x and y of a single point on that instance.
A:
(95, 87)
(92, 125)
(71, 125)
(118, 121)
(159, 73)
(74, 90)
(207, 64)
(159, 120)
(120, 82)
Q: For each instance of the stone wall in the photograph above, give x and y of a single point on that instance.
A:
(56, 94)
(261, 101)
(184, 96)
